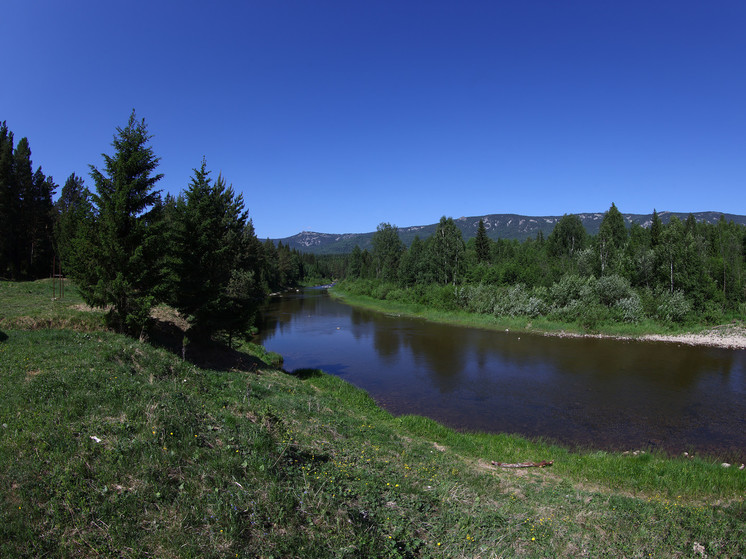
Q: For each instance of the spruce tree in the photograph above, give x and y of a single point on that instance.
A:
(217, 286)
(482, 243)
(125, 251)
(71, 230)
(7, 197)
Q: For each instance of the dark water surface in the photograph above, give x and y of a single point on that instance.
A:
(588, 392)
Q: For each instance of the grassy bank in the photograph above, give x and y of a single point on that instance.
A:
(525, 324)
(112, 447)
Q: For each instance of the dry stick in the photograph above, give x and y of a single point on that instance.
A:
(541, 464)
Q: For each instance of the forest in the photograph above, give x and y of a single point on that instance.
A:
(679, 272)
(128, 248)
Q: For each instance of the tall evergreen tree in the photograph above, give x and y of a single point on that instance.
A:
(8, 198)
(482, 243)
(39, 250)
(126, 249)
(655, 229)
(216, 288)
(72, 228)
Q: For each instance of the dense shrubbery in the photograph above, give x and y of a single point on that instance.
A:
(673, 273)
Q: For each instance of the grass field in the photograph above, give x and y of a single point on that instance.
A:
(111, 447)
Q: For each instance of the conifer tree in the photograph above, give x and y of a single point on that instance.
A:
(655, 230)
(482, 243)
(7, 198)
(74, 214)
(217, 285)
(125, 248)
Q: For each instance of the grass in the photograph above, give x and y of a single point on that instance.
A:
(518, 324)
(110, 447)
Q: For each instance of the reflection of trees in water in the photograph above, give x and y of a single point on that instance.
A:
(282, 310)
(595, 391)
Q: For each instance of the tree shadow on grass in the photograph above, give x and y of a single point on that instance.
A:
(206, 354)
(3, 336)
(305, 374)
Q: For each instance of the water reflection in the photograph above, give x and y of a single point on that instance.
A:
(579, 391)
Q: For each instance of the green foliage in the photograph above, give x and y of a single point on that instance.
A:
(482, 243)
(215, 283)
(123, 248)
(567, 237)
(387, 251)
(447, 249)
(26, 212)
(590, 282)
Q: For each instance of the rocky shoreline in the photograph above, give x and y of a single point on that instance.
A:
(728, 336)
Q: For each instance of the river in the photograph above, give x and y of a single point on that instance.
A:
(581, 392)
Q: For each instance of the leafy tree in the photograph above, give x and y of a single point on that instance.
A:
(482, 243)
(671, 250)
(447, 251)
(414, 265)
(567, 237)
(125, 249)
(612, 236)
(215, 289)
(355, 264)
(387, 251)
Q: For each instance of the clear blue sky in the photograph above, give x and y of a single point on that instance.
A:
(335, 116)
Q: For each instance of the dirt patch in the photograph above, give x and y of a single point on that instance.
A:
(32, 374)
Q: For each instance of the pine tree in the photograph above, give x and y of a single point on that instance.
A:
(74, 212)
(655, 230)
(125, 250)
(217, 284)
(482, 243)
(7, 198)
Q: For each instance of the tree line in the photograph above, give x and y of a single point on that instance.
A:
(128, 247)
(675, 272)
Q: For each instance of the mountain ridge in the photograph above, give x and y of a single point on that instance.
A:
(498, 226)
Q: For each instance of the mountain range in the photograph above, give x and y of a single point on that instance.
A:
(498, 226)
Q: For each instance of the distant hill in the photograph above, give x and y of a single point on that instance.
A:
(499, 226)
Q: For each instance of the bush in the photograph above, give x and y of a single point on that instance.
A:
(630, 308)
(569, 288)
(612, 289)
(673, 307)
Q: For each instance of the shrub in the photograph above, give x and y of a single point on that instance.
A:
(673, 307)
(567, 289)
(612, 289)
(630, 308)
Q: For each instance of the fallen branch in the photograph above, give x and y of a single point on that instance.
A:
(541, 464)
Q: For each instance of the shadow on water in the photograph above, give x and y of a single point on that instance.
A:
(578, 391)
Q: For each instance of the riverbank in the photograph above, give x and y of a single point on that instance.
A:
(111, 447)
(727, 336)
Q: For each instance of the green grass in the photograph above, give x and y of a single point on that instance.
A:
(517, 324)
(196, 462)
(37, 304)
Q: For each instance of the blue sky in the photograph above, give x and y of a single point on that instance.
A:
(335, 116)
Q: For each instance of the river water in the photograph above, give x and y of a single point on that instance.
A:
(607, 394)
